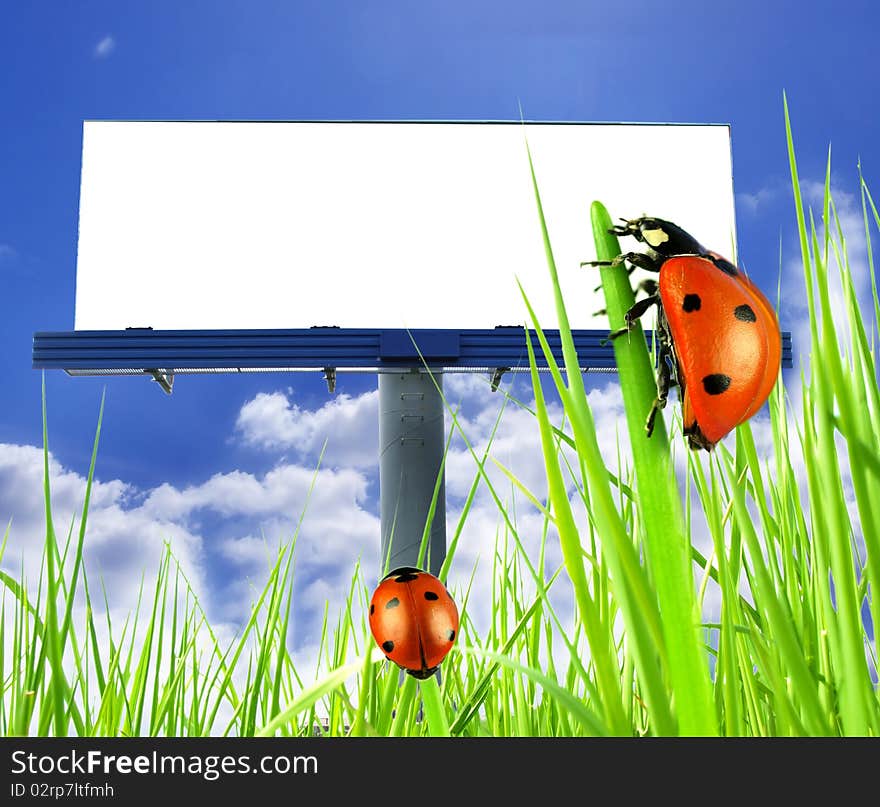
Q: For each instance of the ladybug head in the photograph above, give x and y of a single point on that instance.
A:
(403, 574)
(662, 236)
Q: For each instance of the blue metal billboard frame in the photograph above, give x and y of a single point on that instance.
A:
(143, 350)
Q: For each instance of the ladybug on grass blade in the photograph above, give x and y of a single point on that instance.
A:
(414, 620)
(718, 334)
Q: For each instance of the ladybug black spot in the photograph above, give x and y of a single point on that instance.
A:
(372, 609)
(430, 595)
(716, 383)
(406, 577)
(451, 635)
(392, 603)
(388, 646)
(744, 313)
(691, 302)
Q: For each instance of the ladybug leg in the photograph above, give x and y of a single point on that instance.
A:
(649, 286)
(643, 261)
(615, 262)
(638, 310)
(664, 381)
(635, 259)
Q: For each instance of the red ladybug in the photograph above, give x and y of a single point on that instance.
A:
(414, 620)
(718, 334)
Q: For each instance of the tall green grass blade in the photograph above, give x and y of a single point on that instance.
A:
(435, 714)
(667, 545)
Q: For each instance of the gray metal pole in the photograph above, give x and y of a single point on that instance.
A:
(411, 442)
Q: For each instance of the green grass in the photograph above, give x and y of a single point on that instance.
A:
(794, 561)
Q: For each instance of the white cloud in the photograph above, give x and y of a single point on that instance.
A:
(282, 491)
(459, 388)
(248, 551)
(123, 545)
(105, 47)
(516, 442)
(336, 532)
(350, 426)
(204, 524)
(757, 201)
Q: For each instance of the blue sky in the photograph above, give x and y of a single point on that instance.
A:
(180, 464)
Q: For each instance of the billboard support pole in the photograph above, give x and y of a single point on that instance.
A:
(411, 444)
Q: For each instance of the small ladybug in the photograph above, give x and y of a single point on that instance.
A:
(414, 620)
(718, 334)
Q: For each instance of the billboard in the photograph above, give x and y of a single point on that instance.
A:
(421, 225)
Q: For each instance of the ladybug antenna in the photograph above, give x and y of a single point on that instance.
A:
(627, 228)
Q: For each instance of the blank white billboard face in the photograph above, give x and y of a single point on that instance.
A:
(227, 225)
